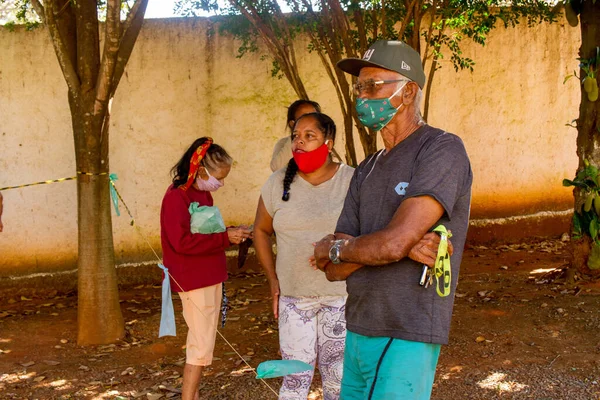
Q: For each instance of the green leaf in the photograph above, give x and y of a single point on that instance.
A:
(567, 78)
(10, 26)
(591, 171)
(585, 218)
(594, 258)
(577, 224)
(576, 183)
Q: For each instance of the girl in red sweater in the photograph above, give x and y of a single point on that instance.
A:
(196, 261)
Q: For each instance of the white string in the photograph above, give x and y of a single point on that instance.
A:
(374, 162)
(183, 291)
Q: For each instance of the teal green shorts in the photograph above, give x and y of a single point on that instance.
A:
(406, 372)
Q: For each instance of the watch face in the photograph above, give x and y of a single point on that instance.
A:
(332, 253)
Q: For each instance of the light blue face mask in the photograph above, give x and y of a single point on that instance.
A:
(375, 114)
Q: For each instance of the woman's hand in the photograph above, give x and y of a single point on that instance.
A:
(238, 234)
(275, 295)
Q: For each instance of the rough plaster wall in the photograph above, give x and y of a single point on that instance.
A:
(36, 144)
(511, 113)
(183, 82)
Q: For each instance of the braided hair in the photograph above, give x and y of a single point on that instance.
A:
(215, 157)
(325, 125)
(290, 174)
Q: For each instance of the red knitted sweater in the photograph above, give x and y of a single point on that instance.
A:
(194, 260)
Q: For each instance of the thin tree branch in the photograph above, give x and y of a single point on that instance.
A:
(64, 7)
(278, 51)
(341, 23)
(291, 52)
(109, 55)
(329, 27)
(286, 48)
(374, 13)
(434, 67)
(62, 53)
(409, 14)
(416, 32)
(360, 25)
(383, 20)
(132, 27)
(87, 42)
(429, 33)
(39, 10)
(131, 15)
(430, 76)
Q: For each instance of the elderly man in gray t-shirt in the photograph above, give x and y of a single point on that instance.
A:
(422, 179)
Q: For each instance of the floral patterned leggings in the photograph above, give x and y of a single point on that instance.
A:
(311, 329)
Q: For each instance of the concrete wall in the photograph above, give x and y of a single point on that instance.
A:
(183, 82)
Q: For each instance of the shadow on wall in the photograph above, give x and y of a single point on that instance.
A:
(514, 229)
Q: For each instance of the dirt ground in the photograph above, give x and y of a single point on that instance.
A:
(518, 332)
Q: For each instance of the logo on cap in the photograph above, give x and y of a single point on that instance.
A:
(405, 66)
(368, 54)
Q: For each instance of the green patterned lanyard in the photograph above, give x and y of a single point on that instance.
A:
(441, 269)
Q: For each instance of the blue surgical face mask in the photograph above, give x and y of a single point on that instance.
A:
(375, 114)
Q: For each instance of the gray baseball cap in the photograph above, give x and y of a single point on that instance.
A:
(388, 54)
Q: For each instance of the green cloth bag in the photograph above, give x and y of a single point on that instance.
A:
(277, 368)
(205, 219)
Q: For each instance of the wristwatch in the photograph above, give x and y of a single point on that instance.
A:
(335, 250)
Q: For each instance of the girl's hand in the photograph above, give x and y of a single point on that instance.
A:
(275, 294)
(238, 235)
(312, 261)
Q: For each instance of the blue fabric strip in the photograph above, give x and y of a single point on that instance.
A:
(113, 193)
(167, 314)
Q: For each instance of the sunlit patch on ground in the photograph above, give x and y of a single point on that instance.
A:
(457, 369)
(542, 271)
(16, 377)
(112, 394)
(59, 384)
(497, 381)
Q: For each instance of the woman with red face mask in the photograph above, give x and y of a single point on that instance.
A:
(283, 147)
(300, 204)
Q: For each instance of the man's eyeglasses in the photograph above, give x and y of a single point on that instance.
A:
(370, 86)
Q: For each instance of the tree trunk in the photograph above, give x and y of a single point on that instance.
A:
(368, 138)
(92, 78)
(99, 317)
(588, 123)
(432, 70)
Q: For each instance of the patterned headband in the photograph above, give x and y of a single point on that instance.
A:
(195, 163)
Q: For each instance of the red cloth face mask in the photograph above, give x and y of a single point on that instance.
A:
(313, 160)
